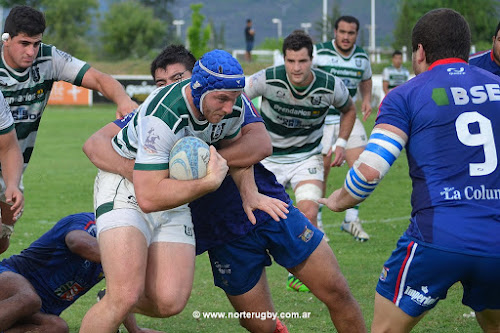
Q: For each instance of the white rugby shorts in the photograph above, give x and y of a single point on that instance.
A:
(116, 206)
(357, 138)
(293, 173)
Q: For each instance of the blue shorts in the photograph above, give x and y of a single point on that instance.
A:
(249, 46)
(4, 268)
(417, 276)
(237, 266)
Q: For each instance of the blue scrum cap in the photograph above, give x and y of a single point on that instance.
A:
(216, 70)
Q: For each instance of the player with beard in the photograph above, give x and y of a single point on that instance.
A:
(489, 60)
(349, 62)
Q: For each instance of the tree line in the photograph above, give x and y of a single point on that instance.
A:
(139, 28)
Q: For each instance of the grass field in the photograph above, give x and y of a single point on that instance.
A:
(59, 182)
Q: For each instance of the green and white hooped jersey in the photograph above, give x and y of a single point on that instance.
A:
(165, 117)
(395, 76)
(28, 92)
(351, 69)
(293, 118)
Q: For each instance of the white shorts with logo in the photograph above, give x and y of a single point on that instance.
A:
(357, 138)
(293, 173)
(116, 206)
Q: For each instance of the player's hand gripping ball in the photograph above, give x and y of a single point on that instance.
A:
(189, 158)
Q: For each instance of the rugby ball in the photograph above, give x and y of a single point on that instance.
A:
(189, 158)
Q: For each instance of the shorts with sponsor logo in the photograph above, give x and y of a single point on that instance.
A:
(237, 266)
(116, 206)
(293, 173)
(357, 138)
(417, 276)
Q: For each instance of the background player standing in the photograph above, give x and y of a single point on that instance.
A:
(349, 62)
(396, 74)
(29, 69)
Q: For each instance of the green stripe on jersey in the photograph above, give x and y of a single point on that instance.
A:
(151, 167)
(294, 150)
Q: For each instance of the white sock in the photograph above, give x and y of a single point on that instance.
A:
(351, 214)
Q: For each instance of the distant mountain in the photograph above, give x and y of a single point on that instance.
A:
(233, 14)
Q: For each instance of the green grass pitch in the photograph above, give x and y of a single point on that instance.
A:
(59, 182)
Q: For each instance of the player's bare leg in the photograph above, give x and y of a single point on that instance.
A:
(8, 225)
(169, 279)
(321, 273)
(489, 320)
(387, 317)
(257, 300)
(124, 258)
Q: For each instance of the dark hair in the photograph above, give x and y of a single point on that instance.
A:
(24, 19)
(297, 40)
(397, 52)
(496, 31)
(348, 19)
(249, 20)
(173, 54)
(440, 40)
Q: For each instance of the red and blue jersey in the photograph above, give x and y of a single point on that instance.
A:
(451, 114)
(485, 60)
(58, 275)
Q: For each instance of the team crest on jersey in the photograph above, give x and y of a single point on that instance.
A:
(358, 62)
(217, 132)
(312, 171)
(316, 100)
(35, 72)
(383, 274)
(306, 235)
(280, 94)
(149, 145)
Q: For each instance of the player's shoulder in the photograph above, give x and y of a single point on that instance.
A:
(479, 56)
(323, 79)
(275, 72)
(324, 46)
(359, 52)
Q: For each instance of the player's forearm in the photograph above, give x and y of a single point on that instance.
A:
(155, 195)
(365, 88)
(11, 159)
(347, 119)
(244, 180)
(100, 152)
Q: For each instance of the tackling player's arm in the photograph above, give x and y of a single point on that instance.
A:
(111, 89)
(84, 245)
(365, 88)
(100, 152)
(11, 160)
(383, 148)
(250, 196)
